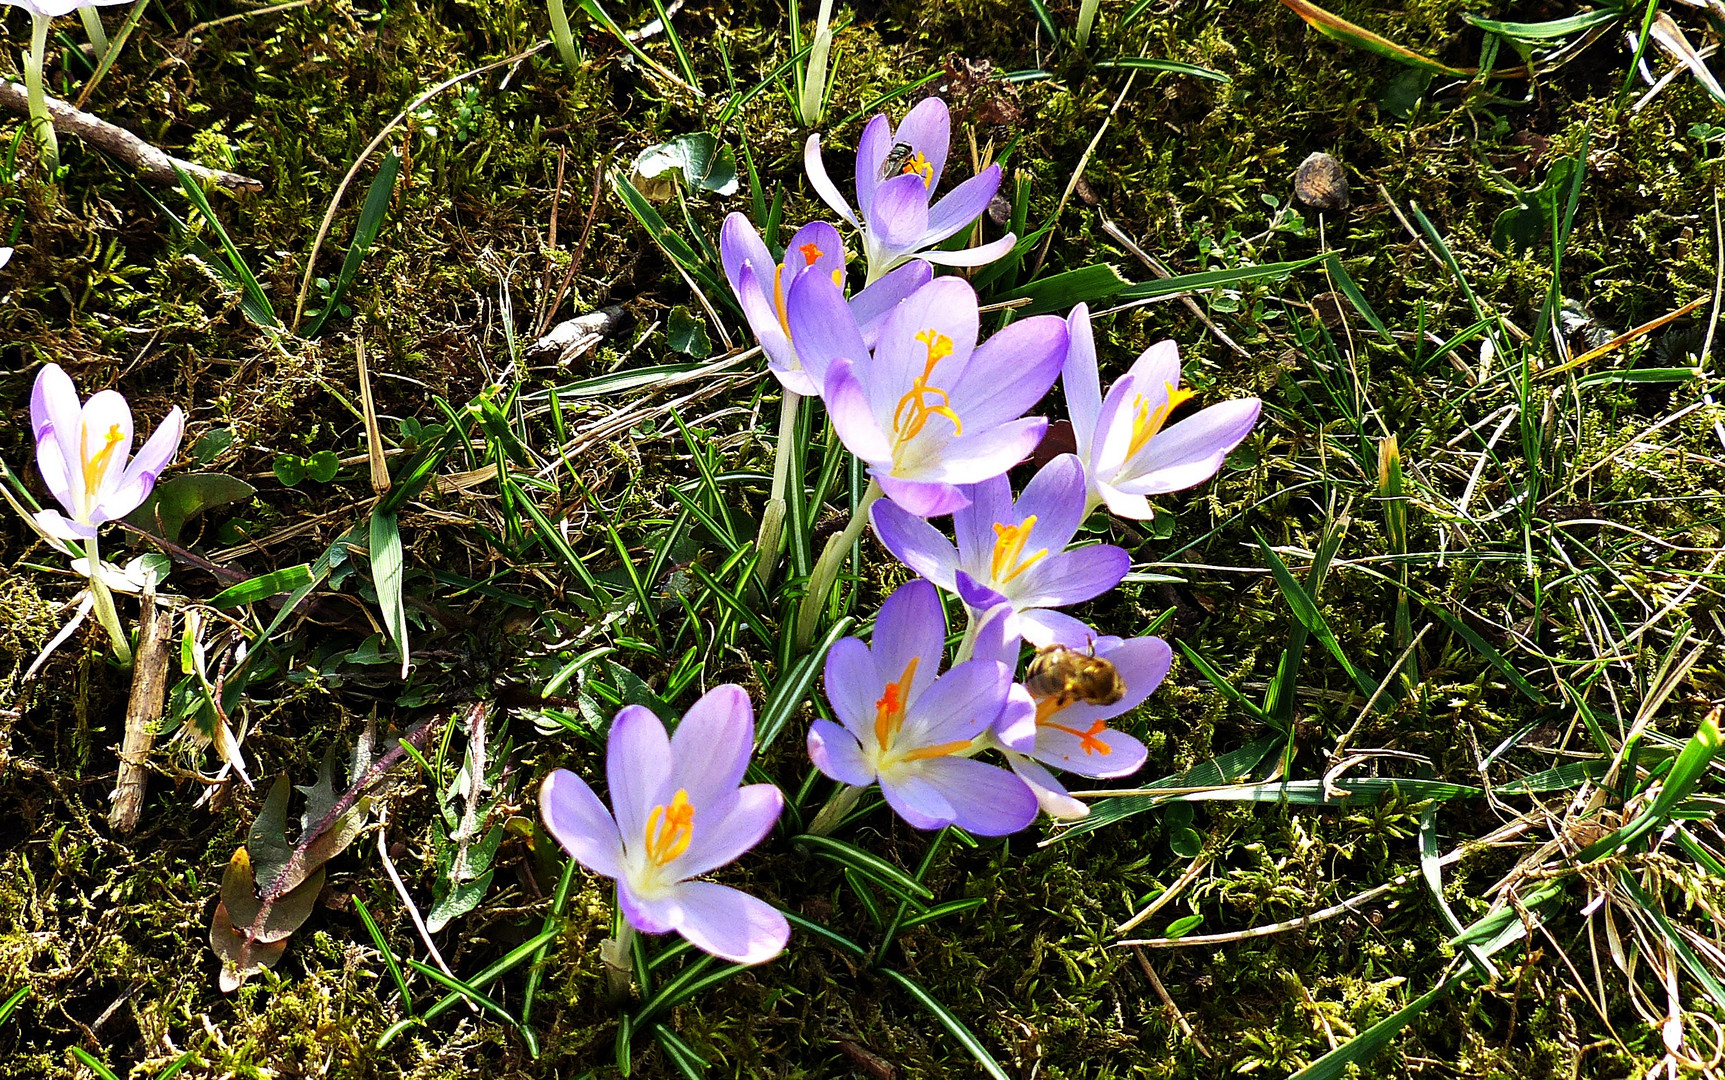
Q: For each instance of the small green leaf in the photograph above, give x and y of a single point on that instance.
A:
(289, 469)
(386, 577)
(180, 498)
(706, 165)
(323, 465)
(212, 445)
(265, 586)
(267, 842)
(685, 333)
(1180, 927)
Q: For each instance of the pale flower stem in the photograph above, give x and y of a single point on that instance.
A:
(617, 954)
(562, 38)
(39, 118)
(966, 644)
(1086, 20)
(105, 611)
(773, 517)
(810, 106)
(843, 801)
(98, 36)
(826, 570)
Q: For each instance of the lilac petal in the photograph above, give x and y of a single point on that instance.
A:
(899, 218)
(1113, 430)
(981, 255)
(756, 297)
(729, 923)
(822, 326)
(1065, 745)
(1157, 367)
(650, 916)
(726, 829)
(576, 818)
(871, 306)
(815, 248)
(823, 185)
(1079, 378)
(972, 459)
(848, 405)
(1050, 793)
(914, 542)
(1071, 577)
(838, 755)
(1011, 371)
(637, 764)
(927, 129)
(918, 802)
(1191, 451)
(741, 245)
(872, 149)
(1055, 498)
(973, 527)
(853, 686)
(997, 636)
(986, 800)
(945, 306)
(919, 497)
(961, 206)
(710, 750)
(106, 412)
(977, 596)
(61, 527)
(1120, 504)
(911, 626)
(1040, 627)
(961, 705)
(139, 478)
(1015, 727)
(54, 415)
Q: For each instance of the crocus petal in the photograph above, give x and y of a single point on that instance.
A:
(1103, 753)
(961, 705)
(60, 527)
(105, 414)
(972, 459)
(1011, 371)
(872, 149)
(727, 828)
(871, 306)
(139, 478)
(976, 595)
(922, 498)
(961, 206)
(945, 306)
(927, 129)
(754, 295)
(637, 764)
(1113, 431)
(710, 751)
(1191, 451)
(848, 404)
(653, 915)
(1157, 368)
(740, 245)
(973, 527)
(1050, 793)
(852, 686)
(820, 240)
(1041, 626)
(914, 542)
(576, 818)
(1080, 380)
(899, 217)
(981, 255)
(837, 754)
(918, 802)
(1120, 504)
(823, 185)
(1071, 577)
(986, 800)
(730, 924)
(822, 325)
(1015, 727)
(54, 415)
(911, 626)
(997, 636)
(1055, 498)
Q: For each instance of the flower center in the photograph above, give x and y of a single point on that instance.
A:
(96, 465)
(921, 166)
(1009, 560)
(889, 711)
(1147, 423)
(669, 829)
(913, 411)
(1048, 708)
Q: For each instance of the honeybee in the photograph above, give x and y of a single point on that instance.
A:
(895, 159)
(1068, 675)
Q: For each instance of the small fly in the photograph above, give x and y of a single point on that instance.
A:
(895, 160)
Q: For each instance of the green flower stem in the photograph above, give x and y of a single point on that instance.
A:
(105, 611)
(560, 35)
(39, 118)
(839, 807)
(619, 963)
(98, 36)
(826, 571)
(773, 517)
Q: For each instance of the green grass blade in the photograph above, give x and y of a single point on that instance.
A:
(371, 217)
(1673, 939)
(256, 304)
(265, 586)
(1491, 655)
(1678, 785)
(1363, 1047)
(873, 867)
(951, 1023)
(93, 1064)
(466, 990)
(831, 937)
(1224, 769)
(1219, 681)
(791, 690)
(1306, 611)
(688, 1063)
(1210, 279)
(11, 1003)
(377, 939)
(1150, 63)
(387, 571)
(1552, 30)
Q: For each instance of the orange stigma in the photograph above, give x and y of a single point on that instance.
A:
(1047, 708)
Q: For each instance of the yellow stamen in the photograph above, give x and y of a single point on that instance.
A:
(921, 166)
(1009, 560)
(96, 465)
(1047, 708)
(889, 708)
(1146, 424)
(938, 751)
(913, 413)
(779, 300)
(670, 828)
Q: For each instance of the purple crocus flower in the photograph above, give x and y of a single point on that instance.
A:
(1012, 552)
(930, 410)
(82, 452)
(896, 175)
(761, 285)
(1126, 453)
(1037, 730)
(679, 814)
(912, 729)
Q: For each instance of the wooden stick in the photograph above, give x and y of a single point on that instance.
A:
(143, 710)
(152, 163)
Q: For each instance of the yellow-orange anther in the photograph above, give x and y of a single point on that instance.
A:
(779, 300)
(1009, 560)
(1047, 708)
(921, 166)
(1147, 423)
(912, 413)
(670, 828)
(96, 465)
